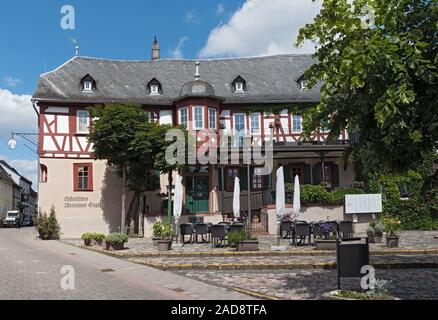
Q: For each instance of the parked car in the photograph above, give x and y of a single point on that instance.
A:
(13, 219)
(27, 221)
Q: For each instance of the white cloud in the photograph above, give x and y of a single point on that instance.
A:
(178, 53)
(11, 82)
(25, 167)
(262, 27)
(17, 114)
(191, 17)
(220, 10)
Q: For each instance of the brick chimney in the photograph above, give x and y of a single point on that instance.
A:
(155, 50)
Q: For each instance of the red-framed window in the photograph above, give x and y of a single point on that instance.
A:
(230, 174)
(257, 179)
(83, 177)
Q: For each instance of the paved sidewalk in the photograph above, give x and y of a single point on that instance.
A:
(418, 284)
(30, 270)
(409, 240)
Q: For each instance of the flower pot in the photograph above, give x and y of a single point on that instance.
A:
(114, 246)
(164, 245)
(375, 238)
(325, 245)
(392, 241)
(87, 243)
(155, 241)
(248, 245)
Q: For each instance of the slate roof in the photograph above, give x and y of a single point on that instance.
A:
(270, 79)
(5, 176)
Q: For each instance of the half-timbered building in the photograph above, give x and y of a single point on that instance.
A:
(252, 96)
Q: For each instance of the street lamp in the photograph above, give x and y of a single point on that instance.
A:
(31, 138)
(248, 145)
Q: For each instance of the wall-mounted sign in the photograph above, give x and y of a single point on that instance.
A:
(80, 203)
(363, 203)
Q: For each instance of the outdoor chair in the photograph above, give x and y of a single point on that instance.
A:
(286, 227)
(300, 231)
(186, 230)
(203, 230)
(226, 223)
(218, 234)
(346, 229)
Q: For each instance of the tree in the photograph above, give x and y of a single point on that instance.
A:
(113, 132)
(378, 76)
(154, 142)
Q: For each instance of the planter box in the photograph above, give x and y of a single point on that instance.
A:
(375, 238)
(326, 245)
(164, 245)
(114, 247)
(155, 241)
(249, 245)
(334, 296)
(392, 242)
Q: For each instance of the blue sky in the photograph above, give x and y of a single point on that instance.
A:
(34, 42)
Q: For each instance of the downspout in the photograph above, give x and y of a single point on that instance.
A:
(35, 108)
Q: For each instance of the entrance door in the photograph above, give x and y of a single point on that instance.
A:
(197, 189)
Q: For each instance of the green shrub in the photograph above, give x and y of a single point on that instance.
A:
(236, 236)
(314, 194)
(89, 236)
(338, 195)
(116, 238)
(414, 214)
(167, 231)
(157, 229)
(47, 226)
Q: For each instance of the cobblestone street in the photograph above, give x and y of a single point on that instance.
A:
(31, 270)
(407, 284)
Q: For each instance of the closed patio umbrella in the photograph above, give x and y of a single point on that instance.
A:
(178, 202)
(280, 198)
(236, 198)
(297, 197)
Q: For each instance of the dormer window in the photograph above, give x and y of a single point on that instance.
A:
(154, 87)
(239, 84)
(88, 84)
(302, 82)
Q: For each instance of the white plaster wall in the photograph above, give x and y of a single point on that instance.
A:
(102, 206)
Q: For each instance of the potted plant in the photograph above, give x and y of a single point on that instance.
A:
(157, 231)
(165, 244)
(93, 239)
(329, 239)
(115, 241)
(242, 242)
(393, 229)
(375, 232)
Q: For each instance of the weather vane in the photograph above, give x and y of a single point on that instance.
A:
(76, 43)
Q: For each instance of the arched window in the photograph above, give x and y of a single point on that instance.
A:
(43, 173)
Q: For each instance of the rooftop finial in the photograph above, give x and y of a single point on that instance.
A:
(76, 43)
(197, 75)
